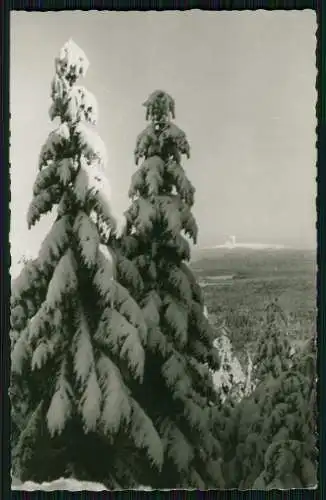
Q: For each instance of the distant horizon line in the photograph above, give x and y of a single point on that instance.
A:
(256, 246)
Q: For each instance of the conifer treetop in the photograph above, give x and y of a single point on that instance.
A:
(162, 194)
(160, 107)
(160, 110)
(73, 158)
(72, 62)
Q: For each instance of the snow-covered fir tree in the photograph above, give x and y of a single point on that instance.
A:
(275, 441)
(231, 420)
(78, 337)
(271, 358)
(177, 387)
(230, 380)
(237, 422)
(273, 352)
(291, 456)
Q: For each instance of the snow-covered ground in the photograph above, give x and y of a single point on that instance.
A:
(58, 484)
(67, 484)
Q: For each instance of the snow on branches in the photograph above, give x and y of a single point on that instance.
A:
(145, 435)
(60, 407)
(81, 105)
(122, 338)
(55, 243)
(116, 404)
(176, 445)
(158, 139)
(90, 144)
(87, 237)
(71, 62)
(230, 380)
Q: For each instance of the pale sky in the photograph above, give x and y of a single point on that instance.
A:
(244, 86)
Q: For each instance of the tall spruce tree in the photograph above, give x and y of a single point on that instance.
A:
(78, 337)
(177, 388)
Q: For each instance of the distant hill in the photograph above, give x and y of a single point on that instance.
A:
(249, 263)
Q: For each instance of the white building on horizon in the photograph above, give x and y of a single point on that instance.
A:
(232, 243)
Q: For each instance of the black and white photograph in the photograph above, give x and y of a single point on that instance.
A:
(163, 250)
